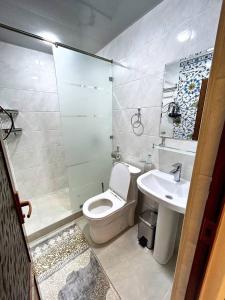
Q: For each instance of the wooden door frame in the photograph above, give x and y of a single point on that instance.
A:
(210, 222)
(211, 128)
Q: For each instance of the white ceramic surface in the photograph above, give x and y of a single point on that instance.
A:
(120, 180)
(164, 189)
(102, 205)
(111, 213)
(172, 199)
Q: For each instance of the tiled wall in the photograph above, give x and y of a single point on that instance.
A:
(28, 83)
(140, 54)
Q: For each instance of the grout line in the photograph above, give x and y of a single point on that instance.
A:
(119, 85)
(39, 111)
(131, 133)
(135, 108)
(28, 90)
(42, 130)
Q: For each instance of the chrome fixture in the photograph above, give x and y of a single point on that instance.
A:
(4, 126)
(116, 155)
(163, 143)
(172, 109)
(57, 44)
(176, 171)
(136, 123)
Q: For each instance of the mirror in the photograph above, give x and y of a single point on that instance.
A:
(184, 89)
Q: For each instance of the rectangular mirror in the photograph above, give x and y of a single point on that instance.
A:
(184, 89)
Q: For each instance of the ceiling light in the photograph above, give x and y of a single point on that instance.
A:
(49, 36)
(185, 35)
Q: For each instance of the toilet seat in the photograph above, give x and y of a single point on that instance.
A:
(102, 205)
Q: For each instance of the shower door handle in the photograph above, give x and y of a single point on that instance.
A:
(19, 204)
(26, 203)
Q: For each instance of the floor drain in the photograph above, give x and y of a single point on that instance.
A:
(169, 197)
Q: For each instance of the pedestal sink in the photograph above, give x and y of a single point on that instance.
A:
(172, 199)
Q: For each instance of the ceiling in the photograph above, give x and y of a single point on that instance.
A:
(85, 24)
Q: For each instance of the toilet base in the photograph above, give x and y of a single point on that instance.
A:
(103, 230)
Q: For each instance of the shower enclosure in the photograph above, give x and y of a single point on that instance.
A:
(84, 127)
(85, 97)
(85, 102)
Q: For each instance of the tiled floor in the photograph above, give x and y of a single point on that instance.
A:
(47, 210)
(132, 269)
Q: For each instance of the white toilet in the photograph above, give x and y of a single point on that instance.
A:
(111, 212)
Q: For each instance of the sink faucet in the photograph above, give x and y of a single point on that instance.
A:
(176, 171)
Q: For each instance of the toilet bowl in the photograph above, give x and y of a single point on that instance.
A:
(111, 212)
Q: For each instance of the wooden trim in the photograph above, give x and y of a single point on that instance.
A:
(34, 291)
(210, 223)
(200, 109)
(209, 137)
(31, 282)
(214, 282)
(36, 288)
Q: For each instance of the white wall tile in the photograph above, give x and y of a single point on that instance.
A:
(144, 92)
(25, 100)
(150, 118)
(38, 121)
(167, 159)
(27, 69)
(28, 83)
(140, 54)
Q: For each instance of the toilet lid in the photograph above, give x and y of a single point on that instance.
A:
(120, 180)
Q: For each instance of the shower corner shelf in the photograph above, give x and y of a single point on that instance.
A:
(166, 148)
(13, 112)
(15, 131)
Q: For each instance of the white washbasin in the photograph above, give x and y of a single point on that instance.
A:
(163, 189)
(172, 199)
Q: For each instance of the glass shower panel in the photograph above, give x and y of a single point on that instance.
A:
(85, 97)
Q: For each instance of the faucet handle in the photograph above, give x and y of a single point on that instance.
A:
(177, 165)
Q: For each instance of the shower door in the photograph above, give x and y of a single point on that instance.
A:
(85, 97)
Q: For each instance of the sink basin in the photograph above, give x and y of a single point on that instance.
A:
(172, 199)
(164, 190)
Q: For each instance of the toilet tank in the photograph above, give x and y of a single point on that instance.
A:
(133, 189)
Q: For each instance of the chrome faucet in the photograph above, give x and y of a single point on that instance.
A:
(176, 171)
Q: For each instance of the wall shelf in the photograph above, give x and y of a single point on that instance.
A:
(171, 149)
(10, 113)
(14, 131)
(13, 112)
